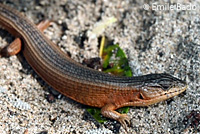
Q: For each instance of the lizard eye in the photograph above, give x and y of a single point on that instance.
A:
(165, 84)
(166, 87)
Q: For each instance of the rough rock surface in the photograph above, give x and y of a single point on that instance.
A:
(155, 41)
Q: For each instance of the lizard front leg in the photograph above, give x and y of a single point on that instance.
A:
(109, 111)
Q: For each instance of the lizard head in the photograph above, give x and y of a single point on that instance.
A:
(161, 87)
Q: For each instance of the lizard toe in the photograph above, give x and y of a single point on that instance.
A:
(124, 120)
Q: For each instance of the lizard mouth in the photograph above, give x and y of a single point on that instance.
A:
(158, 95)
(174, 92)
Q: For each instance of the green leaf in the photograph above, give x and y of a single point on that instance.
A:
(123, 110)
(96, 114)
(115, 62)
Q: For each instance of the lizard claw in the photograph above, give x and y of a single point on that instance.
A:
(124, 120)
